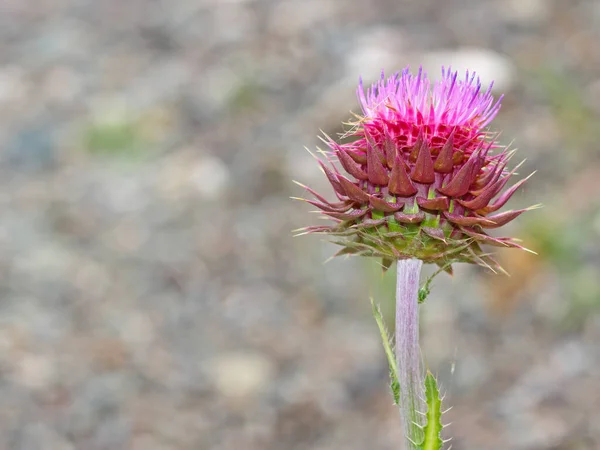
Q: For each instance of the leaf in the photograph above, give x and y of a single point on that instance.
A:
(431, 439)
(387, 346)
(425, 290)
(433, 429)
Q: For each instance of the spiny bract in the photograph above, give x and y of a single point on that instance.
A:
(424, 175)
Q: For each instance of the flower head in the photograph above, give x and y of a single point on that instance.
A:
(424, 177)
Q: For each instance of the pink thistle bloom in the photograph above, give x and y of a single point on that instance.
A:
(409, 105)
(423, 178)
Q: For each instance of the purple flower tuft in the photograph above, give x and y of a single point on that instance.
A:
(450, 102)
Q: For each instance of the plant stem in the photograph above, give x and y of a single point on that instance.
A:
(407, 350)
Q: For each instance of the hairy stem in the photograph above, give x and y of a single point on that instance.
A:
(407, 350)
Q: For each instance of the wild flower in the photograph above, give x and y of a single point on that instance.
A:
(423, 175)
(419, 178)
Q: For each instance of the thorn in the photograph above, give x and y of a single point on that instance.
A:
(411, 441)
(301, 234)
(530, 251)
(324, 153)
(445, 411)
(447, 425)
(299, 184)
(329, 259)
(326, 135)
(311, 153)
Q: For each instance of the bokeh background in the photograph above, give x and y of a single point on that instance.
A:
(151, 294)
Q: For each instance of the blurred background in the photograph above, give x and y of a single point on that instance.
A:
(151, 294)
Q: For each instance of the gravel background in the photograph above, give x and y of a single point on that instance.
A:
(151, 294)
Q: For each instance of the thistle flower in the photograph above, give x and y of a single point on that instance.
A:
(424, 181)
(424, 176)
